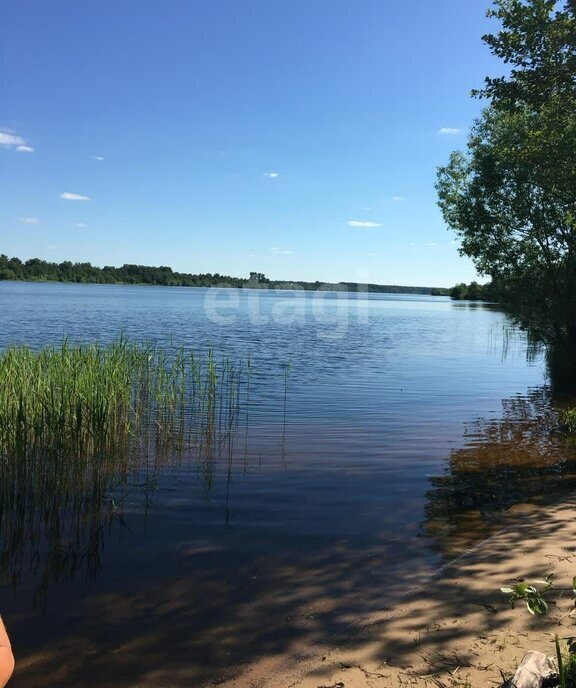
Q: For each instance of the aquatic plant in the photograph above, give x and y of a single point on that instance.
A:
(568, 417)
(93, 399)
(83, 427)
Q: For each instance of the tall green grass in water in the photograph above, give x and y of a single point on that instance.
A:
(91, 400)
(83, 428)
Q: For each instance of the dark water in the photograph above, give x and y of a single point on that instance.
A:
(381, 435)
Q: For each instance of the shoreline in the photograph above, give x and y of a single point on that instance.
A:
(456, 629)
(347, 287)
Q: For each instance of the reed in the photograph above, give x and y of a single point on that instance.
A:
(90, 400)
(84, 428)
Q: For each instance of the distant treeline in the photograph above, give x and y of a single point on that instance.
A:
(41, 270)
(36, 269)
(475, 292)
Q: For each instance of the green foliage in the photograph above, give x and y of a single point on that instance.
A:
(566, 660)
(41, 270)
(568, 417)
(36, 269)
(93, 401)
(511, 197)
(536, 40)
(531, 595)
(259, 277)
(474, 292)
(85, 433)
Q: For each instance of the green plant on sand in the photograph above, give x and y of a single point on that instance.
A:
(533, 596)
(566, 661)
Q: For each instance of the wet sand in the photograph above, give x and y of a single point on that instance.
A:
(291, 628)
(456, 628)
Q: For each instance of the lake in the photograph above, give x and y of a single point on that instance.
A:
(381, 436)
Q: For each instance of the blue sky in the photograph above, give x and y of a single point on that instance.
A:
(298, 138)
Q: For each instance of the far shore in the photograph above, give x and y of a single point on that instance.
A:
(274, 286)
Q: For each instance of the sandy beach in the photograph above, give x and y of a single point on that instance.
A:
(457, 629)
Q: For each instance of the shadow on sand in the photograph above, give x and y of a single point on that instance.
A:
(213, 605)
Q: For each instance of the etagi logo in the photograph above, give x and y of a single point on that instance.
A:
(328, 312)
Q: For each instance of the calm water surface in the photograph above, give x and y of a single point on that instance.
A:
(381, 435)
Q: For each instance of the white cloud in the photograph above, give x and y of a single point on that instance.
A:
(52, 247)
(449, 130)
(363, 223)
(97, 157)
(397, 198)
(81, 225)
(29, 220)
(371, 255)
(8, 140)
(280, 252)
(271, 175)
(67, 196)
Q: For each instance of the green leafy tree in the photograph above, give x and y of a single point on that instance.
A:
(511, 197)
(474, 292)
(36, 269)
(459, 291)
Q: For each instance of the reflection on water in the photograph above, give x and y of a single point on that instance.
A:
(519, 458)
(88, 430)
(57, 513)
(384, 448)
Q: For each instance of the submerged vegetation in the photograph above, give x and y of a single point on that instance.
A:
(569, 421)
(85, 427)
(523, 457)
